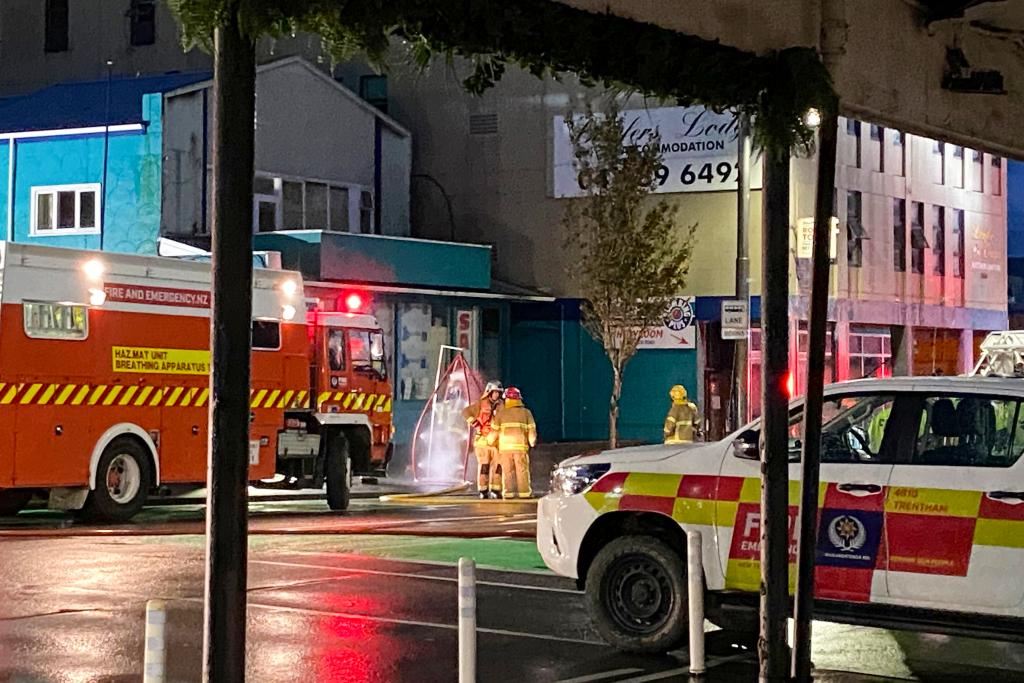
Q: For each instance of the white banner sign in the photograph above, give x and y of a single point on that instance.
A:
(678, 329)
(698, 150)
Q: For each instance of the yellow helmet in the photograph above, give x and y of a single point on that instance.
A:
(677, 393)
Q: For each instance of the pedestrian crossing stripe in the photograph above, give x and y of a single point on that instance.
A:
(180, 396)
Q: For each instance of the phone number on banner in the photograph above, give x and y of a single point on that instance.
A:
(679, 175)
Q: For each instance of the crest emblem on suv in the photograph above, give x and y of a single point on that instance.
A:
(847, 533)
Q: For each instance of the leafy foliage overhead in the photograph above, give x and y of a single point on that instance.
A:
(549, 38)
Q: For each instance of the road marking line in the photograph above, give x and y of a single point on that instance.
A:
(410, 575)
(435, 563)
(600, 676)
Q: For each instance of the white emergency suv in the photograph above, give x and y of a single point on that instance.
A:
(921, 516)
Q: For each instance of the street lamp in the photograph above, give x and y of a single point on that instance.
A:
(812, 118)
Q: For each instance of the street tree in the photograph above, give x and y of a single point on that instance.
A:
(629, 255)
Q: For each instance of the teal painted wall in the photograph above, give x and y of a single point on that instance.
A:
(131, 193)
(4, 158)
(567, 379)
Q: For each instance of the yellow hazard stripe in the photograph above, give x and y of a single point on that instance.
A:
(80, 396)
(258, 398)
(126, 398)
(12, 391)
(30, 393)
(143, 395)
(48, 394)
(65, 393)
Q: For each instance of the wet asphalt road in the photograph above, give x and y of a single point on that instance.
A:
(368, 595)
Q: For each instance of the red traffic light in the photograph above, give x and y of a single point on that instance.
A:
(790, 385)
(353, 302)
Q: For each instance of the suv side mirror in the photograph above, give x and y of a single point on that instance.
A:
(746, 445)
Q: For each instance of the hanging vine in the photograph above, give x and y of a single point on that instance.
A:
(547, 39)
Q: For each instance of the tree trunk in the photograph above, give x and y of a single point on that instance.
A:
(613, 408)
(772, 648)
(230, 331)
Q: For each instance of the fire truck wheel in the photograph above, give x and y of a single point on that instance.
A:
(338, 473)
(636, 595)
(123, 479)
(13, 501)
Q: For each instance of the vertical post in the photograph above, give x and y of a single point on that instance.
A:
(234, 104)
(774, 661)
(467, 620)
(695, 594)
(155, 658)
(742, 266)
(811, 461)
(106, 157)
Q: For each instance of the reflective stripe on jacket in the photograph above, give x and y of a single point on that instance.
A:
(513, 428)
(481, 412)
(679, 422)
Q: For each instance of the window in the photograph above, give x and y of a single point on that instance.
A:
(899, 156)
(62, 209)
(878, 136)
(899, 235)
(297, 204)
(374, 89)
(997, 175)
(958, 243)
(854, 230)
(266, 334)
(977, 173)
(939, 162)
(958, 166)
(336, 350)
(420, 331)
(939, 240)
(918, 241)
(142, 17)
(56, 26)
(870, 352)
(854, 430)
(366, 212)
(800, 378)
(366, 350)
(968, 431)
(853, 129)
(55, 321)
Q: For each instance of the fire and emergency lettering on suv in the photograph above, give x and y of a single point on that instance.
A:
(921, 516)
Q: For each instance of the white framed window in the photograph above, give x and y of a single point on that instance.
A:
(870, 352)
(286, 203)
(65, 210)
(46, 320)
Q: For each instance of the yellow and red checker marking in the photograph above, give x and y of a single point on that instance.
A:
(918, 530)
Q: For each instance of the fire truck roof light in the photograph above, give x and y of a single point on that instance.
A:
(93, 269)
(288, 312)
(289, 287)
(97, 297)
(353, 302)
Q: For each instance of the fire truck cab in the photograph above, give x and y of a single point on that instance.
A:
(105, 371)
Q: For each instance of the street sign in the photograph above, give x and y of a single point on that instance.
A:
(735, 319)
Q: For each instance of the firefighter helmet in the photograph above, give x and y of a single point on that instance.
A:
(513, 394)
(677, 393)
(492, 386)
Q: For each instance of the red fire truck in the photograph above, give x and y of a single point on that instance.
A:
(104, 382)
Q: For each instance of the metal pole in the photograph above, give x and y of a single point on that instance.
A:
(234, 101)
(810, 465)
(742, 266)
(106, 158)
(774, 660)
(695, 590)
(155, 658)
(467, 620)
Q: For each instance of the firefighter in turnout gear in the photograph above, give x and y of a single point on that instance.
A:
(680, 423)
(480, 416)
(515, 433)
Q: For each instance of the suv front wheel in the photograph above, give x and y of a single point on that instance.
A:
(636, 594)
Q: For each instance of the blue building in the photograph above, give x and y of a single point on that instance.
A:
(82, 163)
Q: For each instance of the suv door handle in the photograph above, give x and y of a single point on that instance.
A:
(860, 488)
(1011, 497)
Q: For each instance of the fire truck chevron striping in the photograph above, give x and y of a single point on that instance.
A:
(181, 396)
(104, 372)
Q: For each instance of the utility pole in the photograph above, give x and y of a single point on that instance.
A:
(772, 647)
(810, 461)
(742, 267)
(234, 102)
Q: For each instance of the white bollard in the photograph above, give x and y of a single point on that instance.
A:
(467, 620)
(155, 657)
(695, 589)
